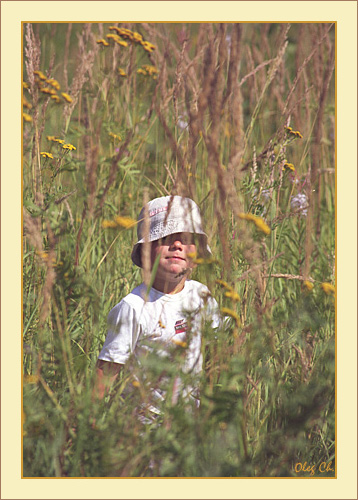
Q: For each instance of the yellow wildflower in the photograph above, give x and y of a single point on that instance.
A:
(136, 37)
(44, 154)
(26, 103)
(201, 260)
(115, 136)
(126, 222)
(246, 216)
(25, 85)
(122, 72)
(54, 83)
(119, 221)
(261, 225)
(180, 343)
(70, 147)
(55, 98)
(103, 42)
(31, 379)
(47, 90)
(146, 70)
(224, 284)
(27, 117)
(121, 42)
(136, 383)
(297, 134)
(150, 69)
(148, 47)
(113, 37)
(40, 75)
(51, 138)
(328, 288)
(109, 224)
(232, 295)
(308, 285)
(161, 324)
(233, 314)
(125, 33)
(258, 221)
(66, 97)
(42, 255)
(288, 166)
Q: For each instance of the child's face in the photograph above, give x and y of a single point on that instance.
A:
(174, 260)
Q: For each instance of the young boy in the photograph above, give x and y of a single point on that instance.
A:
(162, 317)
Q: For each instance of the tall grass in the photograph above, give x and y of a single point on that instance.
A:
(240, 117)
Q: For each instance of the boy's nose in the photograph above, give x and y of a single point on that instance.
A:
(177, 243)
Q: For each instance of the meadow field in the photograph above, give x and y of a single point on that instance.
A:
(241, 118)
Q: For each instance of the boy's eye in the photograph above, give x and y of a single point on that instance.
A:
(188, 239)
(184, 238)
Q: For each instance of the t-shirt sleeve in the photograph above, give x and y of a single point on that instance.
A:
(122, 334)
(214, 313)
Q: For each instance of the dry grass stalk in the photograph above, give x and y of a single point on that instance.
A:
(289, 277)
(86, 61)
(235, 111)
(32, 64)
(301, 68)
(146, 249)
(181, 187)
(32, 230)
(114, 167)
(50, 277)
(65, 56)
(178, 80)
(313, 196)
(91, 158)
(278, 60)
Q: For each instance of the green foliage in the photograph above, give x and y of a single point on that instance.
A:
(220, 120)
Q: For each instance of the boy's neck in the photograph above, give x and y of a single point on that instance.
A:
(170, 288)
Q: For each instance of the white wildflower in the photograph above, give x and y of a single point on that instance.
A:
(299, 203)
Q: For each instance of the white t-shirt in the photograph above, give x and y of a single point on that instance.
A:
(136, 324)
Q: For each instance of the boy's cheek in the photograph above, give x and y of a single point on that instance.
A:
(154, 252)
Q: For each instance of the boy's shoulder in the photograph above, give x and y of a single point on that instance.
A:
(133, 300)
(196, 286)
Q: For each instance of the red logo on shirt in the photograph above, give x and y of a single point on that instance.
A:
(180, 326)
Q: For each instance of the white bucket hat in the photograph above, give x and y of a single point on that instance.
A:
(168, 215)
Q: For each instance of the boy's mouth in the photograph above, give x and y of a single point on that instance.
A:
(174, 257)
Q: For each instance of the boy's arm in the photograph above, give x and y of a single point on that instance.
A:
(106, 374)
